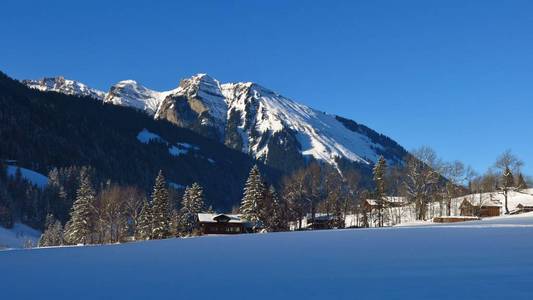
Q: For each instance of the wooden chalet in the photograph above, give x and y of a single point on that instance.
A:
(223, 224)
(473, 207)
(319, 221)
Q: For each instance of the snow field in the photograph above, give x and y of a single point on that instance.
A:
(445, 262)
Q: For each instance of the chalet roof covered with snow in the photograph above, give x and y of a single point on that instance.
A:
(389, 199)
(216, 218)
(515, 199)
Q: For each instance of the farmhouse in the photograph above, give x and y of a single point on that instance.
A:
(320, 221)
(223, 224)
(481, 207)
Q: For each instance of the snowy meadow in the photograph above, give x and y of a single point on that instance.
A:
(488, 259)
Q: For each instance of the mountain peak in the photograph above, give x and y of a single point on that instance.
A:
(131, 93)
(127, 82)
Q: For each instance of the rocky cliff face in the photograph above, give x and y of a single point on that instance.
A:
(197, 104)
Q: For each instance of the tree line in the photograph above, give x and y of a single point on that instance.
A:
(118, 214)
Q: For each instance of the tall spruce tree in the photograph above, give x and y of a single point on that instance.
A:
(276, 213)
(254, 193)
(160, 208)
(143, 231)
(379, 180)
(81, 223)
(191, 205)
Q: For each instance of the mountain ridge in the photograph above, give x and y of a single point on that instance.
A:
(257, 121)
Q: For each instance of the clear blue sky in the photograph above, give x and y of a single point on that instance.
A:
(454, 75)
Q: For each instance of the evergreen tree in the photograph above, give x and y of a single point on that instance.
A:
(174, 223)
(6, 216)
(53, 234)
(80, 227)
(253, 197)
(276, 213)
(143, 231)
(160, 208)
(191, 205)
(193, 199)
(379, 180)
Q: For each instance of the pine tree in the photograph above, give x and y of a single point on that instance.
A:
(174, 223)
(191, 205)
(160, 208)
(53, 234)
(195, 198)
(253, 197)
(379, 180)
(80, 225)
(143, 231)
(276, 217)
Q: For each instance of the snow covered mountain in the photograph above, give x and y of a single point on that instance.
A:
(61, 85)
(132, 94)
(256, 121)
(271, 127)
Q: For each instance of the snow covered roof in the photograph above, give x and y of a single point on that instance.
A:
(514, 199)
(486, 200)
(390, 199)
(319, 217)
(216, 218)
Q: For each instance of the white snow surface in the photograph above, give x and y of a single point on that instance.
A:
(176, 151)
(473, 261)
(18, 235)
(35, 178)
(145, 137)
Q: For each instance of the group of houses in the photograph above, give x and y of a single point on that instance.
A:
(399, 210)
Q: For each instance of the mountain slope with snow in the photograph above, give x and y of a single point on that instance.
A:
(260, 122)
(132, 94)
(66, 86)
(18, 236)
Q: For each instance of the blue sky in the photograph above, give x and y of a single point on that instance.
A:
(454, 75)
